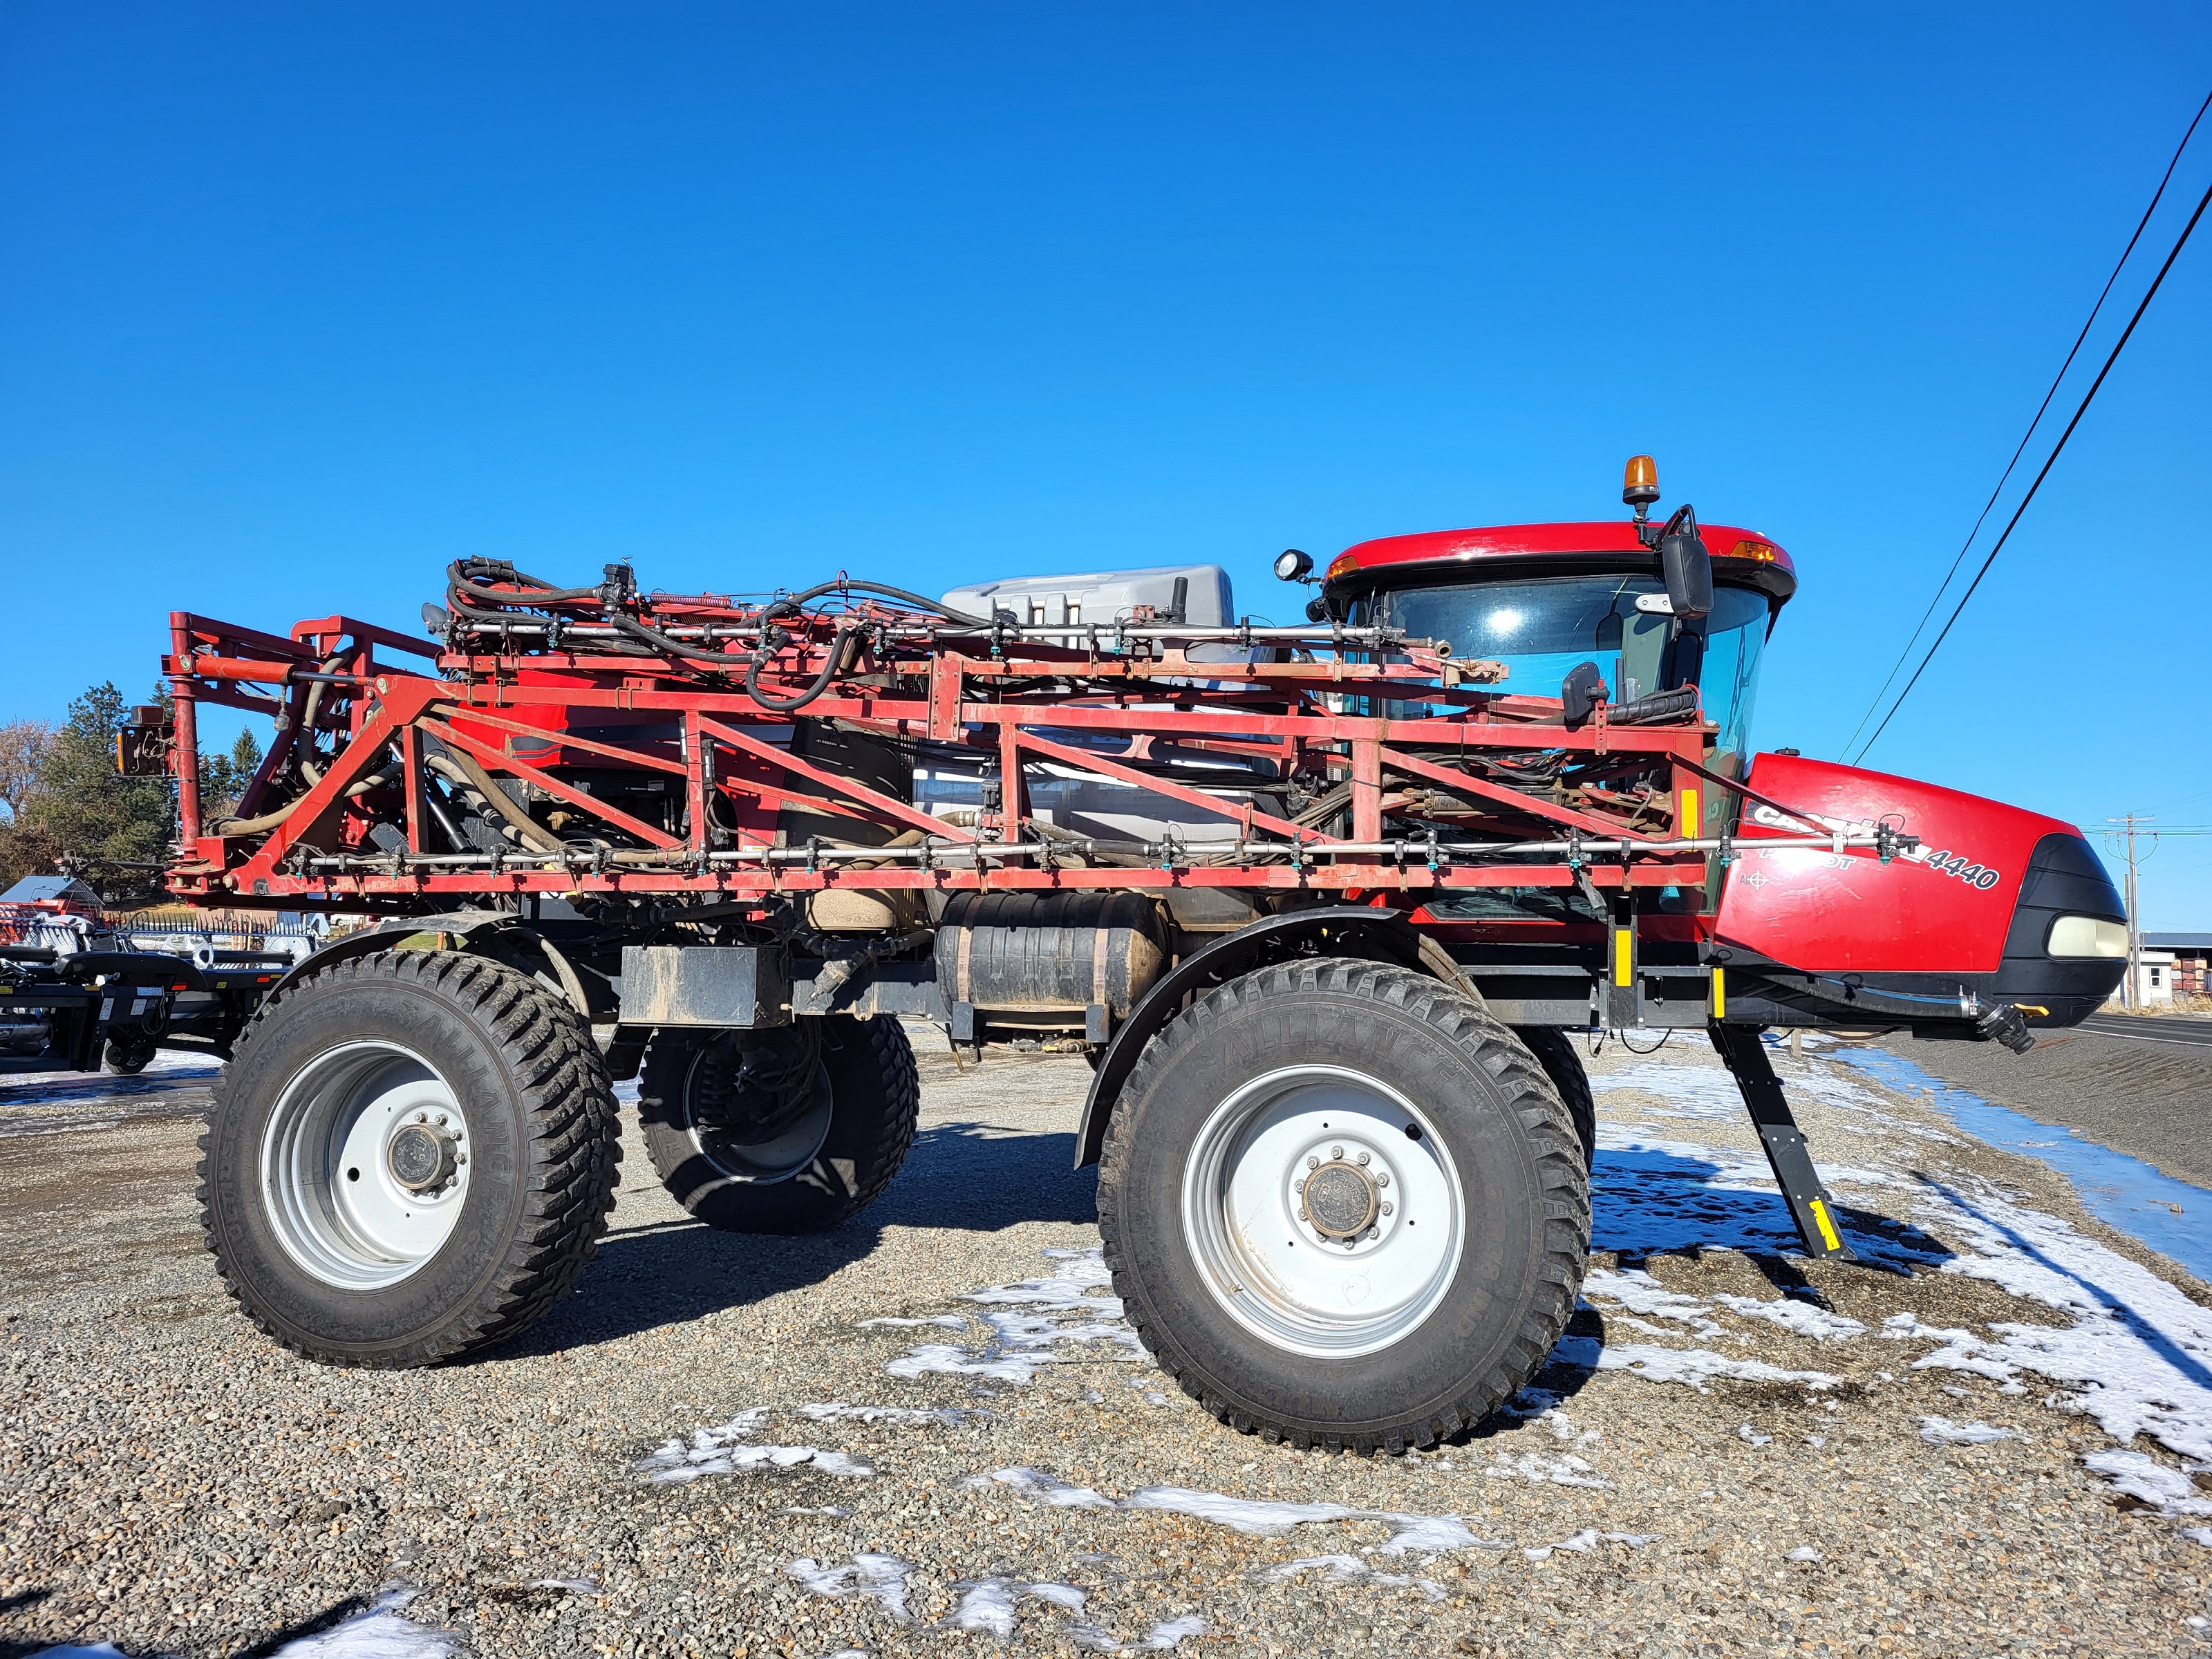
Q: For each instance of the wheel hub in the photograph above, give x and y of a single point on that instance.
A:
(422, 1156)
(1340, 1201)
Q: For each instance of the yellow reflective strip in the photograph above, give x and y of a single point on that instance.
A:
(1689, 814)
(1720, 993)
(1624, 956)
(1827, 1227)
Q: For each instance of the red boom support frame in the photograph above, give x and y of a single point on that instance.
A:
(524, 664)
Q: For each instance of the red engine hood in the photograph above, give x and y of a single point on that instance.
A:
(1945, 907)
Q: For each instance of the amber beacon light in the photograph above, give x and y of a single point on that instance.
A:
(1639, 483)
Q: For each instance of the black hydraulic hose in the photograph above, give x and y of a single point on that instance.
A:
(787, 606)
(762, 658)
(462, 570)
(660, 641)
(1654, 708)
(432, 799)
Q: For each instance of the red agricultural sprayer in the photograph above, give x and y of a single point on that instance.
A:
(1325, 905)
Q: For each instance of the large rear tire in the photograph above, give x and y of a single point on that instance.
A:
(1242, 1194)
(409, 1158)
(834, 1140)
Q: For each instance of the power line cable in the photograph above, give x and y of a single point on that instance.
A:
(1936, 597)
(2057, 449)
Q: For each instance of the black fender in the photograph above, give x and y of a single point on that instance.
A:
(478, 930)
(1335, 930)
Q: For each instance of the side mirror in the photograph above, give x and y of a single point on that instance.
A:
(1688, 566)
(1579, 692)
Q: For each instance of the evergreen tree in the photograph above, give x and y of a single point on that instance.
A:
(82, 807)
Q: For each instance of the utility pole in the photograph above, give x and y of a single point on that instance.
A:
(2132, 826)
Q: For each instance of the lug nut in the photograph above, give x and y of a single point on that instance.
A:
(1313, 1163)
(1388, 1208)
(1363, 1158)
(422, 1117)
(1336, 1153)
(1382, 1177)
(1297, 1186)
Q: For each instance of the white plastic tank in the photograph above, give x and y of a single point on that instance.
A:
(1200, 592)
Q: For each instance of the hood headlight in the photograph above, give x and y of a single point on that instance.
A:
(2086, 936)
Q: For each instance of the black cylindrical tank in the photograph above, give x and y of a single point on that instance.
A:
(1037, 952)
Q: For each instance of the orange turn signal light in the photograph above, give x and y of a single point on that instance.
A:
(1765, 552)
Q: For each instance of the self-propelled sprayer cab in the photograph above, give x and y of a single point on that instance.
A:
(1545, 598)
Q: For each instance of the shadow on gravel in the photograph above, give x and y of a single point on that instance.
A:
(1649, 1201)
(16, 1647)
(965, 1176)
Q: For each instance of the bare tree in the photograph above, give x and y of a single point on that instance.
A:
(23, 746)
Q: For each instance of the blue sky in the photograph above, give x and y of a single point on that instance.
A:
(298, 303)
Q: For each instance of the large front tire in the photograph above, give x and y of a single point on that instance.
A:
(409, 1158)
(829, 1161)
(1555, 1052)
(1241, 1195)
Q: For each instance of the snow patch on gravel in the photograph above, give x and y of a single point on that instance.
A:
(2139, 1351)
(1045, 1488)
(2149, 1481)
(1069, 1305)
(1588, 1540)
(1350, 1570)
(722, 1451)
(989, 1605)
(1943, 1431)
(882, 1578)
(951, 1416)
(1652, 1196)
(1693, 1368)
(1540, 1468)
(378, 1633)
(1264, 1517)
(948, 1321)
(1798, 1318)
(1434, 1534)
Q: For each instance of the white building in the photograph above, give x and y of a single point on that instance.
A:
(2154, 979)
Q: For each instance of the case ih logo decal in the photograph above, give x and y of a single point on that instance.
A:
(1942, 862)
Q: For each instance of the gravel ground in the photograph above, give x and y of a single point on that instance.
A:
(171, 1484)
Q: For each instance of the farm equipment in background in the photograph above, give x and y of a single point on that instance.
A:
(79, 991)
(1326, 905)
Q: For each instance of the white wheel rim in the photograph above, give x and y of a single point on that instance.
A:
(337, 1203)
(1282, 1274)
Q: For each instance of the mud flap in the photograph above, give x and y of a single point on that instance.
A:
(1810, 1206)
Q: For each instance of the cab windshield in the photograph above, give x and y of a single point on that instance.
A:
(1541, 628)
